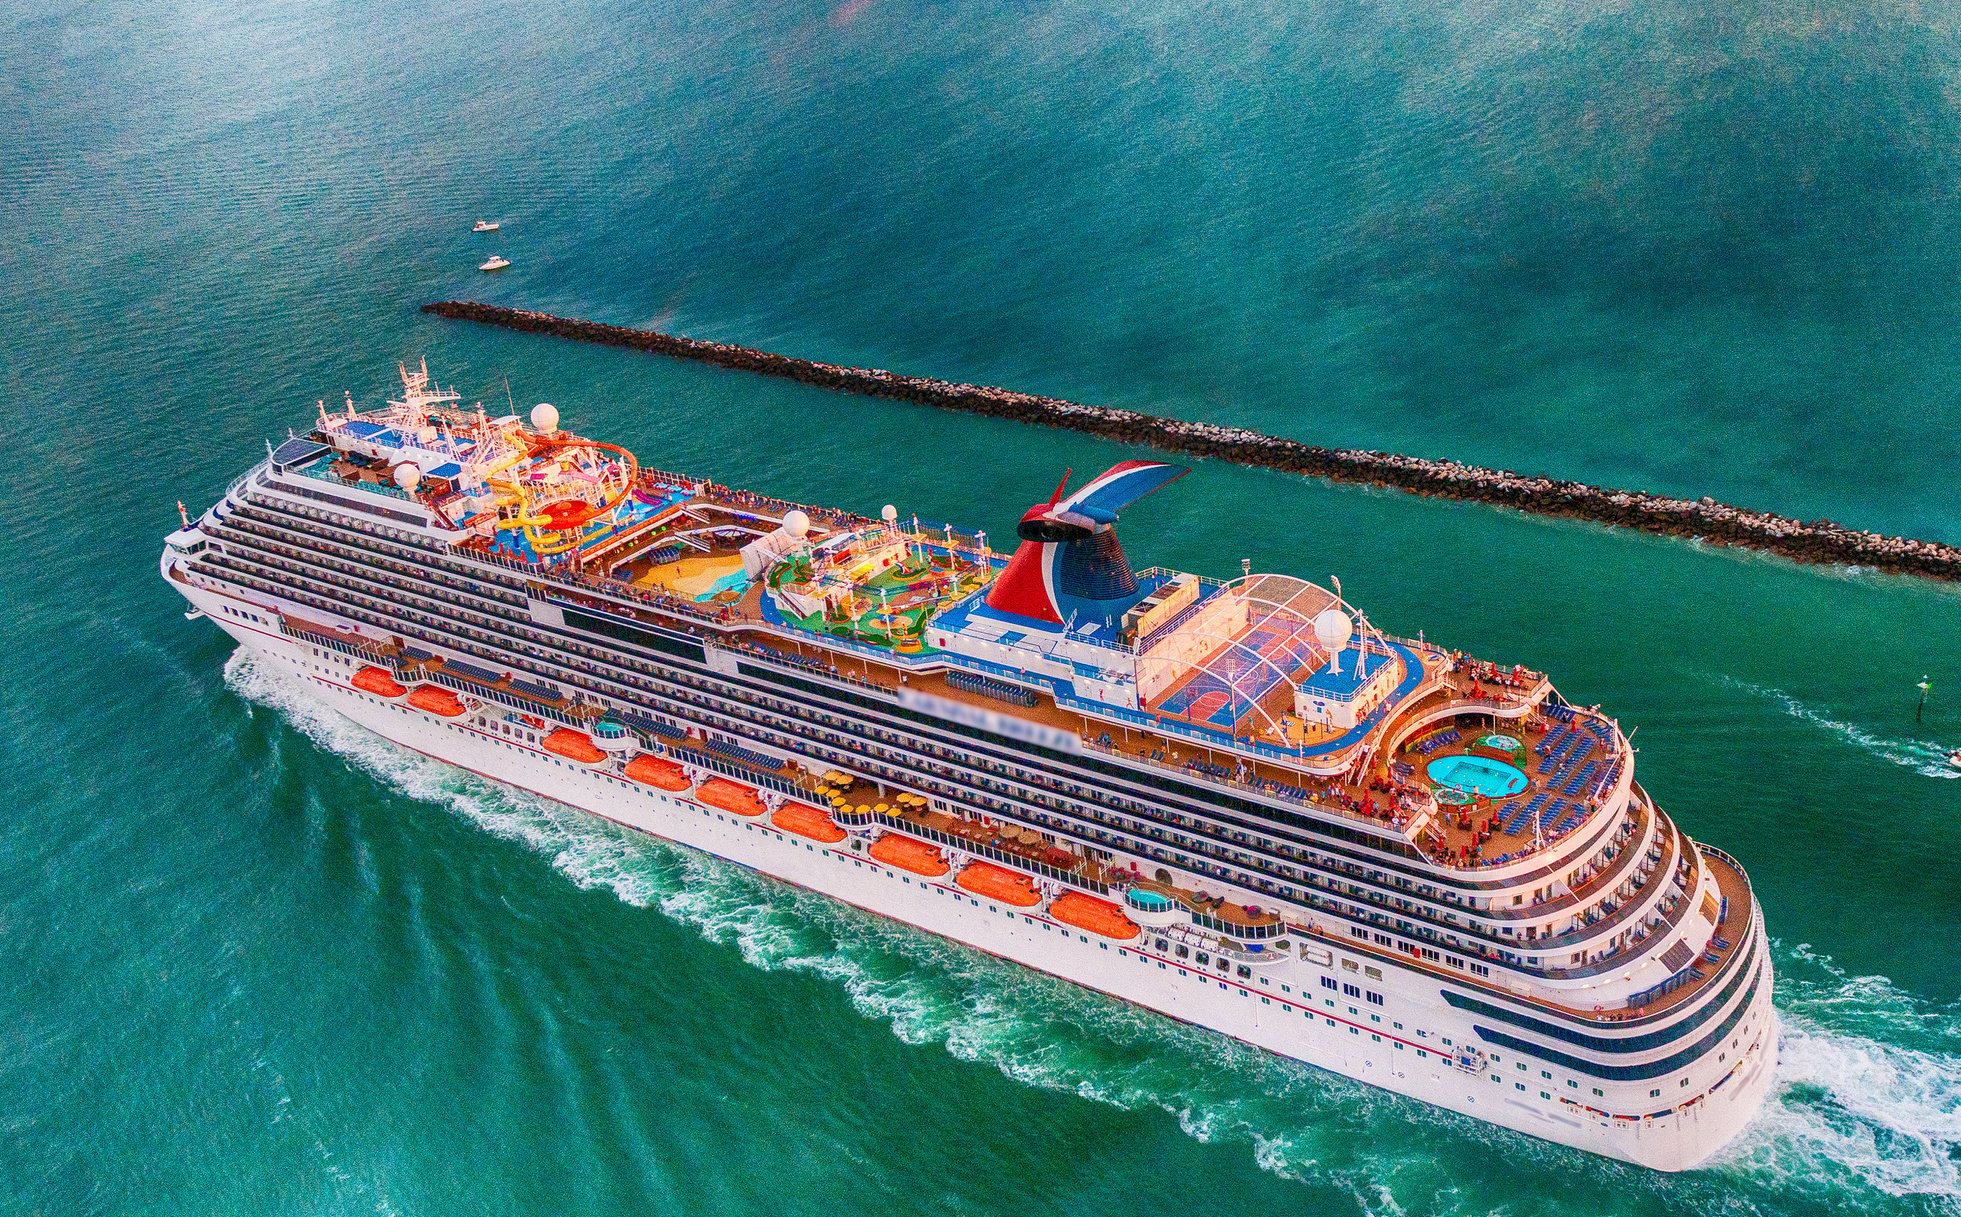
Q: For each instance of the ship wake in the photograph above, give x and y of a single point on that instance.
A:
(1921, 756)
(1865, 1112)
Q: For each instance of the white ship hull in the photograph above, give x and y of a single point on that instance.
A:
(1298, 1022)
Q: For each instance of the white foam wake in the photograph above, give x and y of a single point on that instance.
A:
(1921, 756)
(1868, 1087)
(1867, 1101)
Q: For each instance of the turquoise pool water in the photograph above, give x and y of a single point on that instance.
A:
(1505, 742)
(1477, 775)
(1146, 899)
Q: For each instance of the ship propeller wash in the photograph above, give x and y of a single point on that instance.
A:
(1235, 801)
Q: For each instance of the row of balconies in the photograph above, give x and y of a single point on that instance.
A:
(1212, 867)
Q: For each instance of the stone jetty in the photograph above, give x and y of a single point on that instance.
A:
(1816, 541)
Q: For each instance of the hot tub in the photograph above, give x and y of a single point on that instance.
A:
(1479, 775)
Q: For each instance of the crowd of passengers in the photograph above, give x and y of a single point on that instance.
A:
(827, 518)
(1484, 672)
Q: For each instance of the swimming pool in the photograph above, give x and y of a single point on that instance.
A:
(1147, 900)
(1504, 743)
(1478, 775)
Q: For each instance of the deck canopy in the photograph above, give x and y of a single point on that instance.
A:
(1236, 660)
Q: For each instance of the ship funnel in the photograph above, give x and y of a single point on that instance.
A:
(1069, 564)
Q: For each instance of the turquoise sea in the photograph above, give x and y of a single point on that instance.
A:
(254, 961)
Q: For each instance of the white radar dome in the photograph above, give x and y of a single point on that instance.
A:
(796, 523)
(1334, 629)
(888, 513)
(544, 416)
(407, 475)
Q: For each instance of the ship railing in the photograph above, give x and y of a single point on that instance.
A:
(1726, 858)
(1687, 976)
(670, 477)
(728, 767)
(514, 701)
(372, 652)
(332, 554)
(808, 667)
(604, 585)
(383, 488)
(991, 852)
(1258, 788)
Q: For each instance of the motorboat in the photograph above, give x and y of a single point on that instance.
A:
(497, 262)
(485, 226)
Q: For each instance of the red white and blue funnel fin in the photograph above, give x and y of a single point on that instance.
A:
(1118, 487)
(1062, 529)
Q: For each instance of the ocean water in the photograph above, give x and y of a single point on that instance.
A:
(253, 960)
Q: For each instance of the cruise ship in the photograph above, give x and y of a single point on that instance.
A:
(1235, 801)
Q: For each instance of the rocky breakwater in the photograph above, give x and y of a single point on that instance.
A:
(1816, 541)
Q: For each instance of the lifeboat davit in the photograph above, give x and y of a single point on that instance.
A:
(437, 700)
(378, 682)
(574, 746)
(1086, 912)
(999, 883)
(730, 796)
(807, 821)
(910, 853)
(657, 772)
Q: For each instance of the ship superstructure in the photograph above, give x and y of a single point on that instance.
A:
(1235, 801)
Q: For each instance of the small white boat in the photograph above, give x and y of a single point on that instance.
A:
(1954, 758)
(497, 262)
(485, 226)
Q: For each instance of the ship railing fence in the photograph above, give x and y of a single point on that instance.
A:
(728, 767)
(990, 852)
(1251, 786)
(384, 488)
(372, 652)
(808, 666)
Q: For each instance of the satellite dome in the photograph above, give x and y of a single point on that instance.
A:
(544, 416)
(796, 523)
(888, 513)
(407, 476)
(1333, 628)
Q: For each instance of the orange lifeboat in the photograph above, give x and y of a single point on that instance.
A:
(378, 682)
(909, 853)
(807, 821)
(657, 772)
(573, 746)
(730, 796)
(998, 883)
(1097, 916)
(437, 700)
